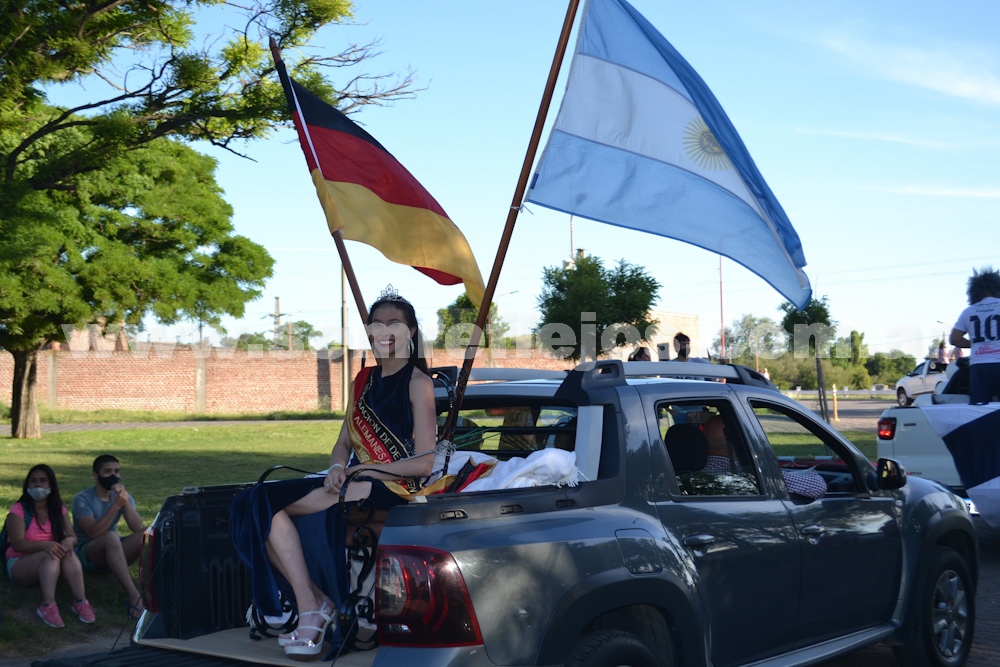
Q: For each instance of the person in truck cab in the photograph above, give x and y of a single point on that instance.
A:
(803, 484)
(389, 427)
(978, 328)
(96, 513)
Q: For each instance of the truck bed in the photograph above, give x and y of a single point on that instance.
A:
(201, 652)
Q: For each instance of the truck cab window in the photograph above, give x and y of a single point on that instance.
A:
(804, 451)
(706, 449)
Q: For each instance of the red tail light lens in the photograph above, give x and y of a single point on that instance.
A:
(887, 428)
(421, 599)
(146, 560)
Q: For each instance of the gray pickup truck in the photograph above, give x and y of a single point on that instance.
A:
(690, 541)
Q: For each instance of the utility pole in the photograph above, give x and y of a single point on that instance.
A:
(277, 318)
(277, 322)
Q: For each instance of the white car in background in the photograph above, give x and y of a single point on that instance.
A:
(924, 379)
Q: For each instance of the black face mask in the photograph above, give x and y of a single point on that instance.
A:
(109, 481)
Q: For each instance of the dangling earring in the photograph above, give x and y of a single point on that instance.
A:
(409, 347)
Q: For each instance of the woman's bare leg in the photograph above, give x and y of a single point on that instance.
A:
(72, 571)
(285, 549)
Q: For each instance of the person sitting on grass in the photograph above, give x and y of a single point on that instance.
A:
(96, 513)
(41, 546)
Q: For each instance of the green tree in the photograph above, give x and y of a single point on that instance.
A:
(301, 333)
(596, 307)
(849, 351)
(463, 312)
(808, 329)
(148, 234)
(83, 239)
(256, 341)
(887, 368)
(750, 339)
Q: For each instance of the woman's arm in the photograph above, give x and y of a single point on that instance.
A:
(20, 543)
(69, 541)
(341, 452)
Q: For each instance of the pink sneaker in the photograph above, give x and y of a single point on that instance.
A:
(50, 614)
(83, 609)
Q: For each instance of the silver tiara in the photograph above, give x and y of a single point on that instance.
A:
(390, 294)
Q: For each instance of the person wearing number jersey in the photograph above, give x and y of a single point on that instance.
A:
(978, 328)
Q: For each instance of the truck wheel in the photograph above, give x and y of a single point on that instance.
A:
(901, 398)
(613, 648)
(943, 614)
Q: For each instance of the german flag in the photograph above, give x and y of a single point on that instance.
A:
(368, 194)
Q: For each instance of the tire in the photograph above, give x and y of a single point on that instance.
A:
(902, 398)
(613, 648)
(943, 614)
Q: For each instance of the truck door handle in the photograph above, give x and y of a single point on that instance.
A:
(699, 540)
(812, 530)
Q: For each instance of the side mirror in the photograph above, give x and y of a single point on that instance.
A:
(889, 474)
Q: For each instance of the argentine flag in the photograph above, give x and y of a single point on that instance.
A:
(641, 142)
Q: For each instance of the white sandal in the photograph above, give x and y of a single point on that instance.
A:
(293, 636)
(309, 648)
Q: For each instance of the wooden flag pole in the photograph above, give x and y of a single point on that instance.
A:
(352, 280)
(338, 235)
(515, 207)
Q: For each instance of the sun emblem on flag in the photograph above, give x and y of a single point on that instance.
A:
(701, 146)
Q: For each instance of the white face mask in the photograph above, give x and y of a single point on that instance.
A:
(39, 492)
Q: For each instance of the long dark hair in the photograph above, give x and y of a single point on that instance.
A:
(410, 317)
(53, 502)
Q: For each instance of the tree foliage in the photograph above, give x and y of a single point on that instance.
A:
(809, 328)
(887, 368)
(849, 351)
(160, 77)
(150, 232)
(750, 339)
(463, 312)
(106, 214)
(601, 308)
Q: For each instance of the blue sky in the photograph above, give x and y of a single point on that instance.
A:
(876, 125)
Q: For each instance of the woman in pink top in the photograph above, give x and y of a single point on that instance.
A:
(41, 546)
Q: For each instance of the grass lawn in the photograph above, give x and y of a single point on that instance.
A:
(156, 463)
(791, 444)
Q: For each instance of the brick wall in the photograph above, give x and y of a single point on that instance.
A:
(221, 381)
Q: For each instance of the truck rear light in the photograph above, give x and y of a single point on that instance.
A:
(146, 560)
(887, 428)
(421, 599)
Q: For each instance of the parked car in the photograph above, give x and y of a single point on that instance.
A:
(924, 379)
(653, 559)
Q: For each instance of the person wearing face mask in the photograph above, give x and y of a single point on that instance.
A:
(41, 546)
(97, 511)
